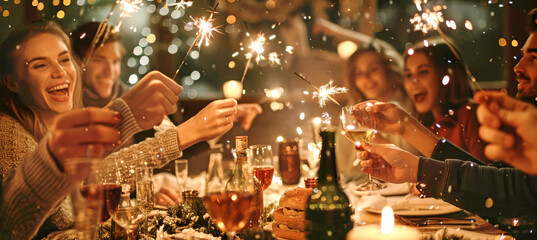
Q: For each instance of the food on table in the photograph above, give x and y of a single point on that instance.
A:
(290, 218)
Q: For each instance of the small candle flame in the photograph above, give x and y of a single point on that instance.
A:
(388, 221)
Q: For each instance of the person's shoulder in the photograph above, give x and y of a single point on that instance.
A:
(7, 121)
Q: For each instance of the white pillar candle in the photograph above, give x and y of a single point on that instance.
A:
(232, 89)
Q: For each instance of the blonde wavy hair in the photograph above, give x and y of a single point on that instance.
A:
(11, 104)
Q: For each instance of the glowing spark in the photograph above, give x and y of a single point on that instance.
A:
(274, 58)
(289, 49)
(181, 4)
(204, 34)
(468, 25)
(324, 92)
(326, 119)
(257, 46)
(127, 7)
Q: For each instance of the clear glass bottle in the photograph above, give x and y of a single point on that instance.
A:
(243, 179)
(328, 206)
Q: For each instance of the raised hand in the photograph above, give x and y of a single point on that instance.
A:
(246, 113)
(510, 128)
(212, 121)
(388, 162)
(83, 133)
(384, 117)
(152, 98)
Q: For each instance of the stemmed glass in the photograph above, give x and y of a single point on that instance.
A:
(229, 210)
(144, 193)
(356, 131)
(181, 172)
(261, 160)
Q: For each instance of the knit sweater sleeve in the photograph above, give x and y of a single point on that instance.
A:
(30, 192)
(152, 152)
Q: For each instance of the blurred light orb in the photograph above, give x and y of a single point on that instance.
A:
(195, 54)
(176, 14)
(143, 42)
(60, 14)
(445, 80)
(270, 4)
(346, 48)
(172, 49)
(151, 38)
(148, 51)
(514, 43)
(146, 31)
(502, 42)
(468, 25)
(188, 81)
(299, 130)
(66, 2)
(302, 116)
(131, 62)
(137, 50)
(151, 8)
(164, 11)
(231, 64)
(144, 60)
(231, 19)
(133, 79)
(189, 26)
(142, 70)
(410, 51)
(232, 89)
(279, 139)
(55, 2)
(195, 75)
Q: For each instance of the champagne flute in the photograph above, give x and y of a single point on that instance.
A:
(144, 193)
(230, 210)
(261, 160)
(356, 131)
(181, 172)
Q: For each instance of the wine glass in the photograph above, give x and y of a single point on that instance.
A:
(144, 193)
(181, 172)
(261, 160)
(230, 210)
(356, 131)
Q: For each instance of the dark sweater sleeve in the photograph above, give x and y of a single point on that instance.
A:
(485, 190)
(444, 149)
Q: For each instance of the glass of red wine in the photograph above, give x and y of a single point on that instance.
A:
(101, 192)
(263, 168)
(230, 210)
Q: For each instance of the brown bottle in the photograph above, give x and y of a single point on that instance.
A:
(243, 179)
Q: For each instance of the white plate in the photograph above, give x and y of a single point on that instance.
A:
(417, 207)
(392, 189)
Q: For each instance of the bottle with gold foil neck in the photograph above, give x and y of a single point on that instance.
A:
(328, 206)
(243, 179)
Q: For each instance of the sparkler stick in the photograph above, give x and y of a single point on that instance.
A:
(127, 8)
(204, 33)
(324, 92)
(255, 46)
(181, 4)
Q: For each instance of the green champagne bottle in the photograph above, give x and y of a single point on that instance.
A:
(328, 206)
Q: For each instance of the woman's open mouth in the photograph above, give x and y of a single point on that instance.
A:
(420, 97)
(59, 91)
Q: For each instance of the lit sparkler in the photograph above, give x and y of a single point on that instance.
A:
(181, 4)
(430, 21)
(127, 7)
(205, 33)
(325, 92)
(256, 47)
